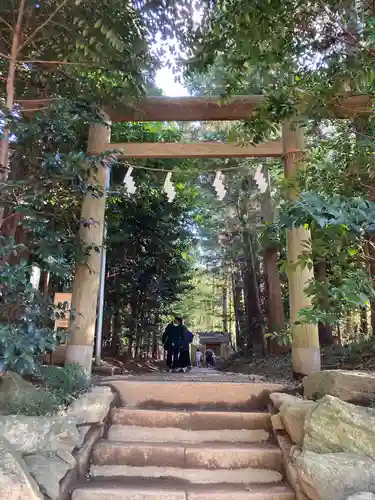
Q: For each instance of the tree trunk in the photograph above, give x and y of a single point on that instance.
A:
(275, 308)
(252, 299)
(128, 354)
(154, 344)
(225, 308)
(44, 283)
(230, 309)
(10, 93)
(136, 349)
(238, 309)
(364, 323)
(349, 327)
(86, 277)
(116, 335)
(325, 330)
(305, 344)
(249, 311)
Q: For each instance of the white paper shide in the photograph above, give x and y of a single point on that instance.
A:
(219, 185)
(169, 188)
(260, 179)
(129, 183)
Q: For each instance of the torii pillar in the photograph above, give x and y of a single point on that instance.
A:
(87, 274)
(305, 337)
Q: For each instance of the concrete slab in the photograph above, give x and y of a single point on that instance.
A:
(193, 476)
(199, 420)
(108, 493)
(138, 454)
(132, 433)
(250, 493)
(208, 456)
(187, 394)
(157, 492)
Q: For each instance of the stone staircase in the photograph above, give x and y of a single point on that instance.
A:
(188, 440)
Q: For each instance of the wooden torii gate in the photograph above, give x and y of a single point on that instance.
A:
(305, 346)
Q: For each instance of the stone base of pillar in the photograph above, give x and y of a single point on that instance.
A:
(305, 360)
(81, 355)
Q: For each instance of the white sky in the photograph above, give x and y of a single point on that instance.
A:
(165, 79)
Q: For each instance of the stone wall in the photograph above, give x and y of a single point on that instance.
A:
(44, 457)
(328, 443)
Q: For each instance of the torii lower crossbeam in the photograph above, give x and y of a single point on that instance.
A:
(272, 149)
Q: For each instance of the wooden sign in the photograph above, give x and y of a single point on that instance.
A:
(62, 298)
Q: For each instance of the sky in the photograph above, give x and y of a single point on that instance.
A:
(165, 80)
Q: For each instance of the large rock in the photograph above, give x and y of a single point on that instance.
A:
(287, 449)
(92, 407)
(276, 422)
(82, 430)
(16, 482)
(12, 384)
(39, 434)
(48, 470)
(293, 417)
(336, 426)
(335, 476)
(279, 398)
(351, 386)
(365, 495)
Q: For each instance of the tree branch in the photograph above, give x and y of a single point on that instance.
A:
(10, 89)
(6, 43)
(41, 61)
(6, 23)
(27, 41)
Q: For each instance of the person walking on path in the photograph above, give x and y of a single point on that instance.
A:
(171, 340)
(210, 359)
(198, 358)
(186, 339)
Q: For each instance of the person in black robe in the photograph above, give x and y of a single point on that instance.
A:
(186, 339)
(171, 340)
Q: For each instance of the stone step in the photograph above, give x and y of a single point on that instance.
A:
(157, 491)
(195, 395)
(246, 475)
(208, 456)
(165, 492)
(197, 421)
(133, 433)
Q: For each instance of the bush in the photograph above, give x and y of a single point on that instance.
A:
(281, 337)
(68, 382)
(24, 314)
(60, 387)
(38, 402)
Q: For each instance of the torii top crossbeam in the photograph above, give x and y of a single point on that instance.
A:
(210, 109)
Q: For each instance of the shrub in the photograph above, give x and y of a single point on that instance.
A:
(38, 402)
(282, 337)
(60, 387)
(68, 382)
(24, 313)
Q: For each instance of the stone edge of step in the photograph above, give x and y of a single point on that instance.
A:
(279, 491)
(190, 419)
(188, 455)
(215, 445)
(131, 433)
(248, 475)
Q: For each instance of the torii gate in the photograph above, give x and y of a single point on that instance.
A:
(305, 346)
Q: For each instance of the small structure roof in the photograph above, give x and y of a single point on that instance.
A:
(214, 337)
